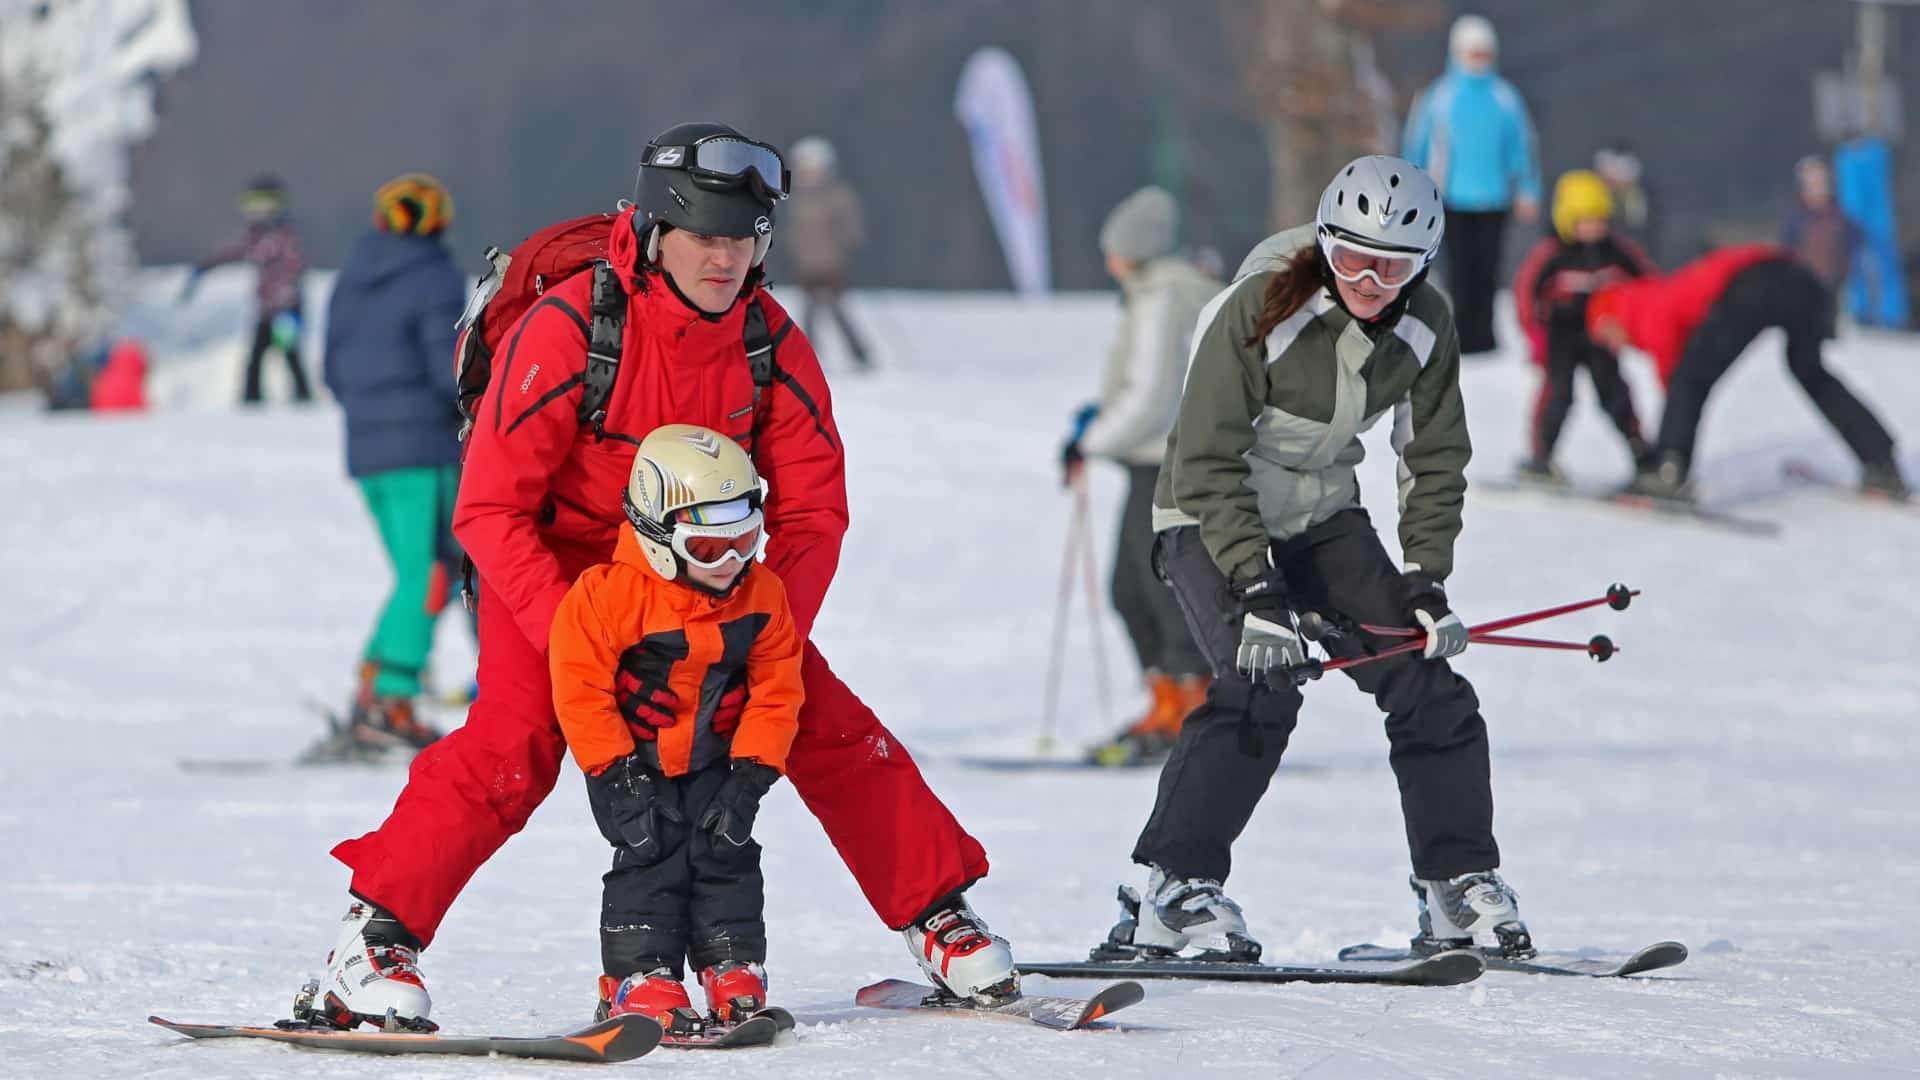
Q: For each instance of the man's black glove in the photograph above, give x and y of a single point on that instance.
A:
(730, 815)
(637, 814)
(1267, 636)
(1426, 604)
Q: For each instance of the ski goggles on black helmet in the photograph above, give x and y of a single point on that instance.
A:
(726, 162)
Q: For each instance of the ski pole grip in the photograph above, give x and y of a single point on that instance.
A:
(1305, 672)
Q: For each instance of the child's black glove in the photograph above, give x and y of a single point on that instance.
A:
(632, 811)
(730, 815)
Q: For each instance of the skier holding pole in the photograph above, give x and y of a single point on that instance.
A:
(1326, 330)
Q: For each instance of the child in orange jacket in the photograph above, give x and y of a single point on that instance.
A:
(683, 616)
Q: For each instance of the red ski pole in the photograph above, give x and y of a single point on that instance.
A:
(1618, 597)
(1601, 648)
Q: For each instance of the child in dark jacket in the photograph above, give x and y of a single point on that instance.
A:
(389, 361)
(1550, 298)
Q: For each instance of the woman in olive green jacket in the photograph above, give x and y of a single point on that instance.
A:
(1326, 330)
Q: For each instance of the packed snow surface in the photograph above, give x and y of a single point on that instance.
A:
(1739, 777)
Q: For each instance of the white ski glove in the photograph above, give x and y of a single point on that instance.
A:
(1265, 645)
(1267, 636)
(1426, 600)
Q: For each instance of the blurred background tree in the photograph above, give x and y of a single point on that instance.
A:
(533, 112)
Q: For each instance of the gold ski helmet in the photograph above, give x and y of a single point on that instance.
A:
(694, 497)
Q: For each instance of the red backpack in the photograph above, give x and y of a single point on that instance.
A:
(516, 280)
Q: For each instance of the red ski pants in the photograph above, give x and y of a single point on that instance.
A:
(471, 790)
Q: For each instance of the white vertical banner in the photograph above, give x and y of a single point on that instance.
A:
(995, 106)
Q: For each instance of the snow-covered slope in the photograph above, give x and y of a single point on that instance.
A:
(1740, 777)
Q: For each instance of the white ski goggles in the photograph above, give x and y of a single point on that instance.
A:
(1351, 261)
(708, 536)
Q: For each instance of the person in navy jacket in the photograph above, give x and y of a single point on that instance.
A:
(389, 361)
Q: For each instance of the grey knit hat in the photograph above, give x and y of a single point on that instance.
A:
(1144, 226)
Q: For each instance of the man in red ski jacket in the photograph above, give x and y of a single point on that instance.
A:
(1696, 321)
(540, 502)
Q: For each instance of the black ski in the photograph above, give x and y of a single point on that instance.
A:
(1056, 1013)
(1681, 510)
(760, 1029)
(1066, 764)
(621, 1038)
(1054, 764)
(1814, 478)
(1443, 969)
(340, 745)
(1661, 954)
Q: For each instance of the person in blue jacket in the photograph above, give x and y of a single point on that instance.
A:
(1470, 131)
(389, 362)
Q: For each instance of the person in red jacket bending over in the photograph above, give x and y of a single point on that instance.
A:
(540, 503)
(1696, 321)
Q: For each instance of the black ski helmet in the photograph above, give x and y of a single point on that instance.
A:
(708, 178)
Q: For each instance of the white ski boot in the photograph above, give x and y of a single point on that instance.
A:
(1476, 910)
(952, 944)
(373, 974)
(1175, 915)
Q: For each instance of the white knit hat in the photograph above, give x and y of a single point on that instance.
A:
(1471, 33)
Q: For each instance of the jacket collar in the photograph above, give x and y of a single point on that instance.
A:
(681, 596)
(664, 307)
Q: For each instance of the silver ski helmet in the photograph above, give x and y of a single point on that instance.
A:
(1381, 218)
(708, 178)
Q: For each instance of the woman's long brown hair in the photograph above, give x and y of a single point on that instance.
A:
(1292, 286)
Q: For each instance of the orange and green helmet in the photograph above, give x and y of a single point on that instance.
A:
(415, 203)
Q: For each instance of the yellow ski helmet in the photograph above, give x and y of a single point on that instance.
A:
(1577, 196)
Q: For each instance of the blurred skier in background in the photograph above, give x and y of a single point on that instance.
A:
(389, 360)
(1469, 130)
(1698, 320)
(1161, 297)
(1816, 229)
(823, 227)
(272, 245)
(1550, 300)
(1634, 219)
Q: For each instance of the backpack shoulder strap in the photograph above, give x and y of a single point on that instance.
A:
(604, 342)
(761, 349)
(759, 343)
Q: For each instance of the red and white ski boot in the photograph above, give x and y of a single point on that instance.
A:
(373, 974)
(954, 948)
(735, 990)
(655, 994)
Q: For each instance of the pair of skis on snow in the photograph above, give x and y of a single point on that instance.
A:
(623, 1038)
(617, 1038)
(1798, 473)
